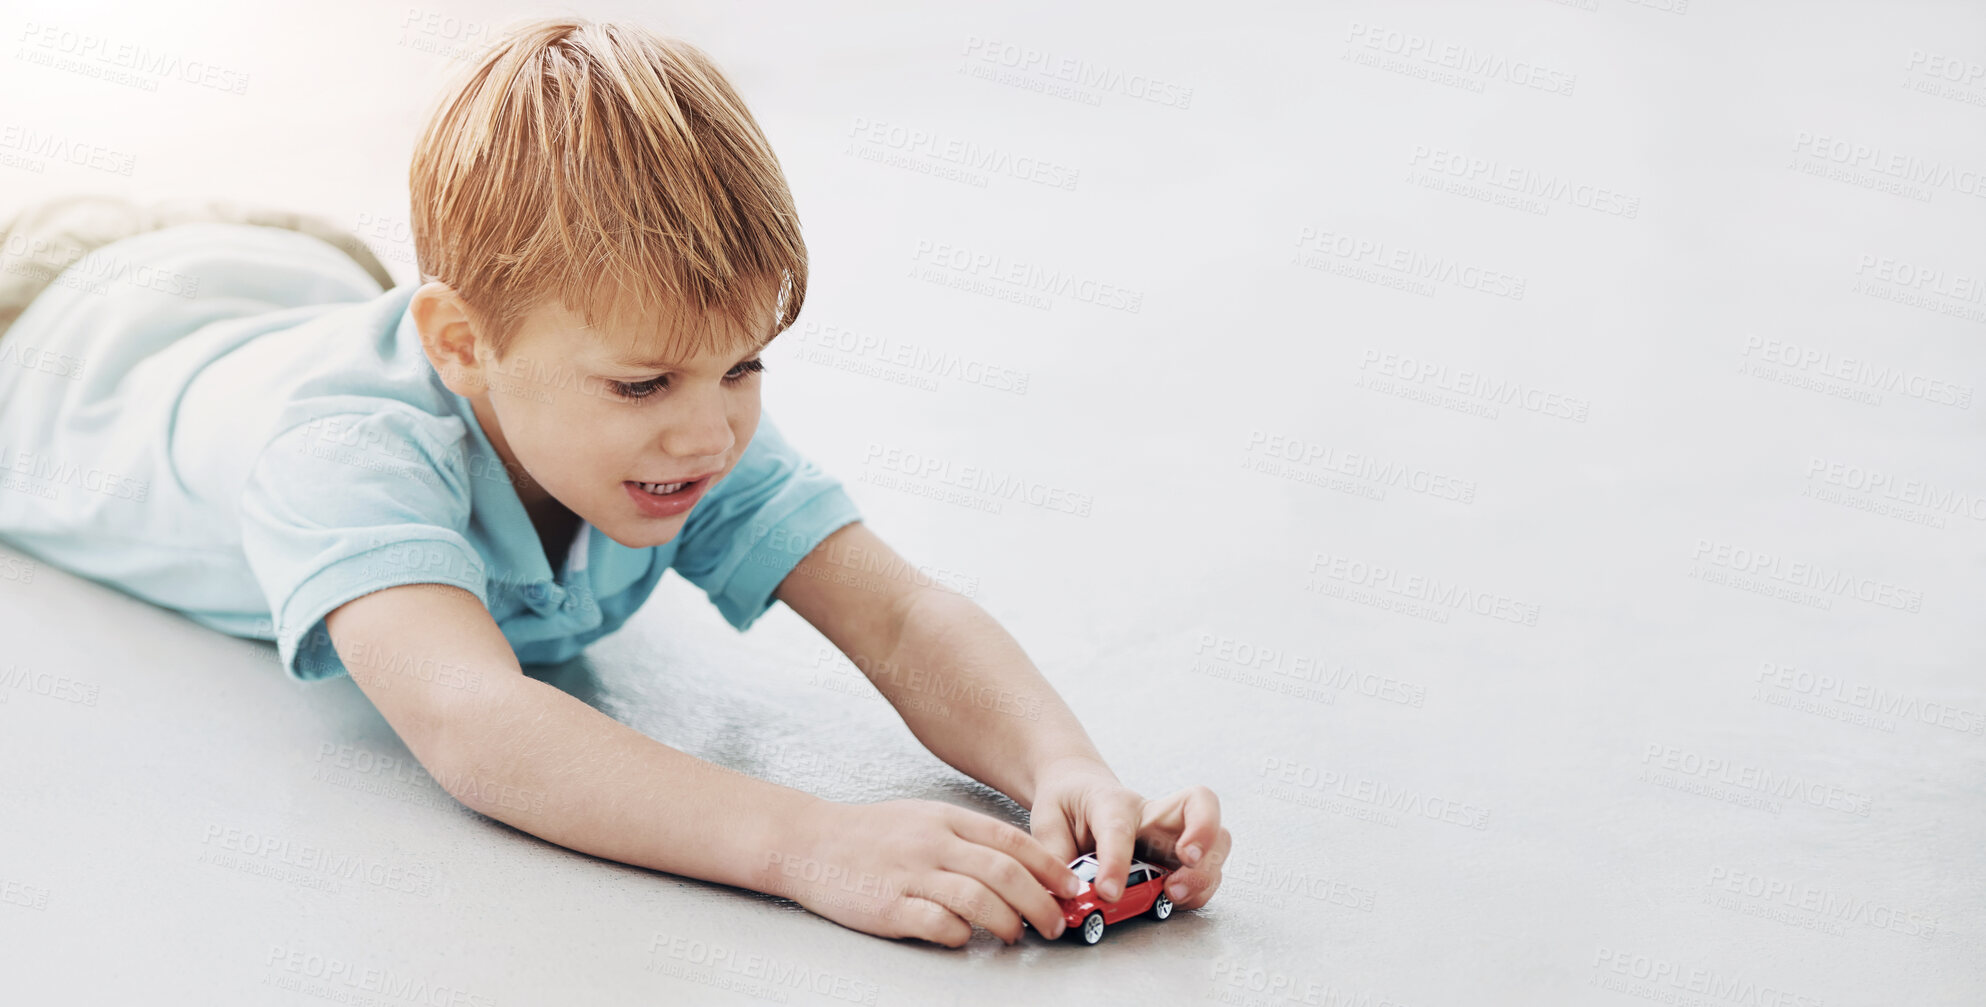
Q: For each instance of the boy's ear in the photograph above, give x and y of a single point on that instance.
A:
(448, 337)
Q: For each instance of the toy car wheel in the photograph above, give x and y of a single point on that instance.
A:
(1092, 929)
(1162, 907)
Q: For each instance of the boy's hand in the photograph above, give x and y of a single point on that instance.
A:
(1080, 805)
(921, 869)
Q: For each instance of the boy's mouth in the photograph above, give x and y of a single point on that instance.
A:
(665, 489)
(667, 499)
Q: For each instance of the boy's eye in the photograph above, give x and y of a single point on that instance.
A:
(643, 389)
(639, 389)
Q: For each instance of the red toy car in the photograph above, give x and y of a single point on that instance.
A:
(1086, 915)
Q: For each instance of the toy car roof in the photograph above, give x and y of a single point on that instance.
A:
(1091, 857)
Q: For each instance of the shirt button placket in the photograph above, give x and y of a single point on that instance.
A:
(538, 595)
(582, 610)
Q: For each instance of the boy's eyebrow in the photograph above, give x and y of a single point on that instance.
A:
(630, 360)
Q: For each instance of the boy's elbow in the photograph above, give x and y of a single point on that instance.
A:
(436, 666)
(455, 744)
(446, 724)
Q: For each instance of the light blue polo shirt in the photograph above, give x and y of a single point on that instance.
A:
(237, 423)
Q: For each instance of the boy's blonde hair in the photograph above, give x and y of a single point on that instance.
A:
(614, 169)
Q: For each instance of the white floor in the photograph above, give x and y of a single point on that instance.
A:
(1671, 689)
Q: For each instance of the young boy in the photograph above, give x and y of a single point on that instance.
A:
(430, 486)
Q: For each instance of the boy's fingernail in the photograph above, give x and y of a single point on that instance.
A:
(1110, 890)
(1072, 887)
(1059, 927)
(1191, 855)
(1177, 890)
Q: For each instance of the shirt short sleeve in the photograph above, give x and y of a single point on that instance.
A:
(756, 525)
(351, 503)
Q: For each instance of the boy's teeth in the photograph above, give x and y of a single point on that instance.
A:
(662, 488)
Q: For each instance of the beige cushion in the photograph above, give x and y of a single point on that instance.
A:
(48, 236)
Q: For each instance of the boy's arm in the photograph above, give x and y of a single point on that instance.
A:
(969, 693)
(532, 756)
(959, 680)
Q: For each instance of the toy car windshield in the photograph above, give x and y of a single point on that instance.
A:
(1085, 869)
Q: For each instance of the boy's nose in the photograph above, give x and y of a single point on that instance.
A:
(703, 430)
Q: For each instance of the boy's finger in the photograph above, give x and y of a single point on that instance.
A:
(926, 920)
(974, 903)
(1053, 874)
(1202, 811)
(1006, 878)
(1115, 829)
(1191, 887)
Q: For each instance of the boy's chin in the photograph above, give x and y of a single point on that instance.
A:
(644, 533)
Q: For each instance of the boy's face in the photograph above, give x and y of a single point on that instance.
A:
(599, 416)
